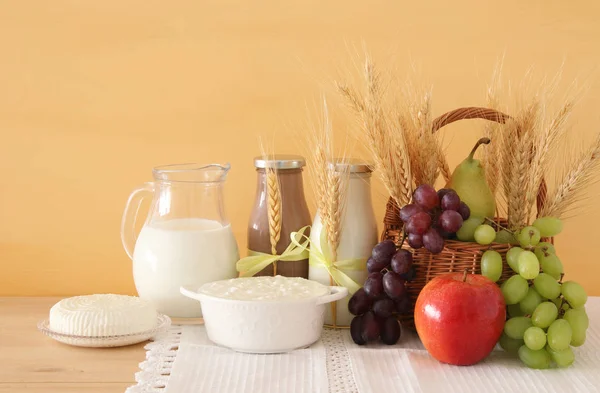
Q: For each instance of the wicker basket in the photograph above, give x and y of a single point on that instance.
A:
(456, 255)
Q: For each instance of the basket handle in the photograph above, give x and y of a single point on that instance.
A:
(473, 112)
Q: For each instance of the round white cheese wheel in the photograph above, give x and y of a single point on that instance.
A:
(102, 315)
(265, 288)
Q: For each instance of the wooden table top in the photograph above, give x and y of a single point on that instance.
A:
(32, 362)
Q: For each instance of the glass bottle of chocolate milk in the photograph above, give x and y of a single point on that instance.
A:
(292, 207)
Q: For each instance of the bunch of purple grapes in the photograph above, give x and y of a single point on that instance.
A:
(432, 217)
(383, 295)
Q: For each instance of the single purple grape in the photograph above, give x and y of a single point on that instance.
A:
(409, 210)
(374, 285)
(464, 211)
(419, 223)
(370, 328)
(415, 241)
(383, 308)
(374, 266)
(359, 303)
(443, 191)
(356, 330)
(390, 331)
(426, 197)
(402, 261)
(393, 285)
(382, 253)
(450, 221)
(433, 241)
(450, 201)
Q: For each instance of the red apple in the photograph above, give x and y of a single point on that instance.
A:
(460, 317)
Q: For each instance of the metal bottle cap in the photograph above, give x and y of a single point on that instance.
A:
(280, 161)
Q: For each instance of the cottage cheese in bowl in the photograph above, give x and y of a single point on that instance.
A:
(264, 314)
(276, 288)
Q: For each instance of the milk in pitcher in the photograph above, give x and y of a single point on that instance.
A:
(182, 252)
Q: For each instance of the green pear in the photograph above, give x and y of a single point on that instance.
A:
(468, 180)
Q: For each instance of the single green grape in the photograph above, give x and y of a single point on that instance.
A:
(548, 226)
(579, 322)
(547, 286)
(574, 294)
(559, 335)
(551, 264)
(578, 338)
(515, 327)
(544, 314)
(530, 301)
(466, 233)
(563, 358)
(514, 289)
(529, 266)
(510, 345)
(577, 317)
(544, 248)
(505, 237)
(514, 310)
(484, 234)
(534, 359)
(529, 236)
(491, 265)
(534, 338)
(512, 258)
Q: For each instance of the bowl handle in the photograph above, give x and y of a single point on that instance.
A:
(335, 293)
(189, 293)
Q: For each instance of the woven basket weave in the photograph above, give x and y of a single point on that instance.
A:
(456, 255)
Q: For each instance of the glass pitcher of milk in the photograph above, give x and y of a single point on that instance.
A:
(186, 239)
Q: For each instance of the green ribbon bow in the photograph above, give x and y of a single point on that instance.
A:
(324, 258)
(257, 261)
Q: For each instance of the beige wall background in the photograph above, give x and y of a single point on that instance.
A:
(93, 94)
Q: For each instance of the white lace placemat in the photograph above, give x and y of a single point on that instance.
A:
(185, 361)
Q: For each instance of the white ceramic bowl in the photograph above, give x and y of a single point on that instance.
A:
(264, 326)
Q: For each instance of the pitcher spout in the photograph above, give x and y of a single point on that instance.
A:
(192, 173)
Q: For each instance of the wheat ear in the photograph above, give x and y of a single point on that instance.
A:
(333, 219)
(518, 167)
(584, 170)
(384, 136)
(274, 209)
(548, 136)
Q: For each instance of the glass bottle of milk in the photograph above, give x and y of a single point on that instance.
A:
(358, 234)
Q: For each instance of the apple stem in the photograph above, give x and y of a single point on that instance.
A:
(465, 276)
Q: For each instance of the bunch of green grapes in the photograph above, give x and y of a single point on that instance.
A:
(546, 315)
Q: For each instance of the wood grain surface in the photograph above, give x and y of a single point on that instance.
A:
(32, 362)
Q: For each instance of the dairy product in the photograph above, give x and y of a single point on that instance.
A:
(182, 252)
(265, 288)
(102, 315)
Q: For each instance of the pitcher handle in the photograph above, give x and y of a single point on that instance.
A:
(128, 235)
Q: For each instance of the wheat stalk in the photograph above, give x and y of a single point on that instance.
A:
(518, 166)
(333, 221)
(547, 138)
(330, 187)
(443, 164)
(384, 135)
(583, 170)
(274, 209)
